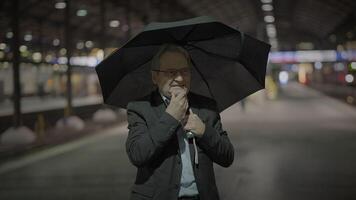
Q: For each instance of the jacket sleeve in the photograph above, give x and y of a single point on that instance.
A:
(216, 143)
(143, 144)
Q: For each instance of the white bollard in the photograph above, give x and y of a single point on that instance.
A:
(105, 115)
(71, 122)
(18, 135)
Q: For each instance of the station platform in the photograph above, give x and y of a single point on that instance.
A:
(299, 146)
(37, 104)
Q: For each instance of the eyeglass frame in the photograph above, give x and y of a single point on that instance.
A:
(172, 73)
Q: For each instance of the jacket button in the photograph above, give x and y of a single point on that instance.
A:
(176, 186)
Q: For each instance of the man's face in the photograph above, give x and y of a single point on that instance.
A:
(173, 75)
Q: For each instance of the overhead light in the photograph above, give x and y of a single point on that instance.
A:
(63, 51)
(48, 58)
(60, 5)
(27, 37)
(89, 44)
(56, 42)
(269, 19)
(271, 31)
(274, 43)
(2, 46)
(80, 45)
(266, 1)
(37, 57)
(82, 13)
(350, 35)
(114, 23)
(23, 48)
(9, 34)
(267, 7)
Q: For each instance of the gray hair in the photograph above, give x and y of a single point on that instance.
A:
(155, 64)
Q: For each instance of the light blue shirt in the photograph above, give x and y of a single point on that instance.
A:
(188, 186)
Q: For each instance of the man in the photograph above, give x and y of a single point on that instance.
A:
(172, 165)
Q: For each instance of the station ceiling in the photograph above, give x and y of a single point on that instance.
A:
(315, 24)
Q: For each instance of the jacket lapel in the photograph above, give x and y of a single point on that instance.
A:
(157, 103)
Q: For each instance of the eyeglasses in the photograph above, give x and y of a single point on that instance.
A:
(174, 72)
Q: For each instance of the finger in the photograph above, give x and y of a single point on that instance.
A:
(181, 95)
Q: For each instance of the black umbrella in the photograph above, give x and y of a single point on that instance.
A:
(227, 64)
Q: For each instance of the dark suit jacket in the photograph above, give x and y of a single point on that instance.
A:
(152, 146)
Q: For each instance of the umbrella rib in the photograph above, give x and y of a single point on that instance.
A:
(220, 56)
(186, 35)
(213, 54)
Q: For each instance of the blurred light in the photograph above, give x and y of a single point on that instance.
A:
(2, 46)
(305, 45)
(274, 43)
(349, 35)
(23, 48)
(25, 54)
(100, 54)
(2, 54)
(318, 65)
(350, 99)
(80, 45)
(295, 68)
(6, 65)
(37, 56)
(63, 68)
(269, 19)
(9, 34)
(349, 78)
(49, 58)
(56, 42)
(55, 67)
(125, 27)
(82, 13)
(283, 77)
(63, 51)
(60, 5)
(332, 38)
(339, 67)
(88, 61)
(62, 60)
(89, 44)
(340, 47)
(304, 69)
(266, 1)
(353, 66)
(267, 7)
(271, 30)
(114, 23)
(27, 37)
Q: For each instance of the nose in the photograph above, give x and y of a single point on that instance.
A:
(178, 77)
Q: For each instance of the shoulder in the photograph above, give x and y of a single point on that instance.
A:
(140, 103)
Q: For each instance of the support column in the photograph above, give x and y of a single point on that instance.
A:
(16, 64)
(68, 46)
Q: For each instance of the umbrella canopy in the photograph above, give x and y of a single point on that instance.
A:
(227, 64)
